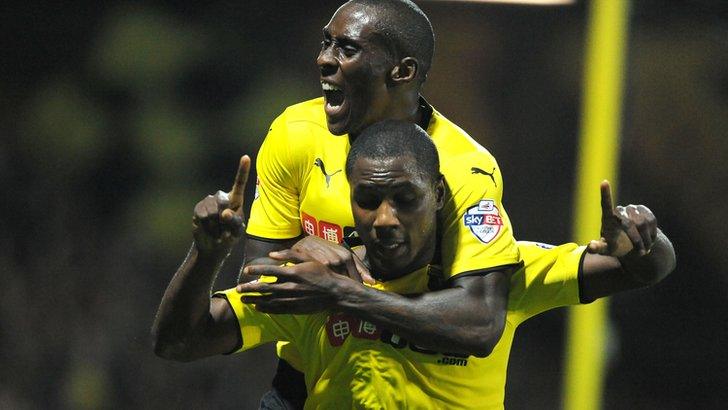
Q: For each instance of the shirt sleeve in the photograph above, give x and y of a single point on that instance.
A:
(548, 278)
(274, 213)
(476, 232)
(257, 328)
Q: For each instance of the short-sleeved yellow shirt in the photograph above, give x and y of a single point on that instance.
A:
(301, 188)
(352, 363)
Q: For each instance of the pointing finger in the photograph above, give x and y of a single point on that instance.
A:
(607, 204)
(236, 194)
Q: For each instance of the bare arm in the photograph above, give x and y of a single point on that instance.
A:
(257, 250)
(632, 252)
(189, 323)
(468, 318)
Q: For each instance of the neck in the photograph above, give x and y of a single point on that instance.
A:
(403, 107)
(408, 107)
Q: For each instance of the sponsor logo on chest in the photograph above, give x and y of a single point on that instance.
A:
(341, 326)
(327, 230)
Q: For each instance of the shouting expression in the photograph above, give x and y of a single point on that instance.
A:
(355, 65)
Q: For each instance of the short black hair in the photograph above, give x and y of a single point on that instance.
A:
(406, 30)
(395, 138)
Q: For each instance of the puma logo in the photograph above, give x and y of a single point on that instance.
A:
(476, 170)
(320, 163)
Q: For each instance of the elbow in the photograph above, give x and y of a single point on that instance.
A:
(482, 352)
(485, 346)
(485, 339)
(167, 349)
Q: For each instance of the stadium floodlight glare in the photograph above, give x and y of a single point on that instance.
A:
(527, 2)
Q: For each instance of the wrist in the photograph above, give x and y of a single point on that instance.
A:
(349, 294)
(637, 266)
(209, 257)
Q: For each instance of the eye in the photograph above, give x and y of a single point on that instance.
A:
(325, 43)
(406, 200)
(349, 51)
(368, 202)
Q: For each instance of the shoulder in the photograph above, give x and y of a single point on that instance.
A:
(302, 120)
(450, 139)
(460, 155)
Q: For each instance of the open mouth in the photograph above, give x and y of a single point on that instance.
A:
(333, 94)
(335, 99)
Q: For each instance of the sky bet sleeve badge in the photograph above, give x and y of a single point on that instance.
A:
(483, 220)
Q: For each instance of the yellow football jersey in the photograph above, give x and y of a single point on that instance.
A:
(352, 363)
(301, 188)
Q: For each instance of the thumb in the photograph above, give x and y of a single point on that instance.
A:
(363, 272)
(599, 247)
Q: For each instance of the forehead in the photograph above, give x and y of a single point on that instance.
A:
(386, 171)
(352, 20)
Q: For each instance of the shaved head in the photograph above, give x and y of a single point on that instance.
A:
(404, 29)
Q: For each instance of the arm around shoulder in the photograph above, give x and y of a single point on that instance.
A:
(468, 317)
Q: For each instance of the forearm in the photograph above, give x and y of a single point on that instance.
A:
(257, 250)
(455, 320)
(184, 312)
(654, 266)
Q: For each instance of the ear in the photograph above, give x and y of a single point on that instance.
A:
(405, 71)
(440, 192)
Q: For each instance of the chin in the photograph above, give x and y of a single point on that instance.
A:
(337, 130)
(393, 272)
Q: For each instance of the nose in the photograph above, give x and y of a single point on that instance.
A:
(326, 61)
(386, 217)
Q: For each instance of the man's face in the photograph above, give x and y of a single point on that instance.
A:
(395, 212)
(354, 69)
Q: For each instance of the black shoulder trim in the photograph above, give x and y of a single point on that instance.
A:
(426, 113)
(238, 345)
(580, 280)
(269, 240)
(483, 272)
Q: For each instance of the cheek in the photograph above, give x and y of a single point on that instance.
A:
(362, 221)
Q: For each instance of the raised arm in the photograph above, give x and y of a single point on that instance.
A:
(190, 324)
(631, 253)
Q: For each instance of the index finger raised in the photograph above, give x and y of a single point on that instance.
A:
(241, 178)
(607, 204)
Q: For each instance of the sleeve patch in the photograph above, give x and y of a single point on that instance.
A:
(484, 220)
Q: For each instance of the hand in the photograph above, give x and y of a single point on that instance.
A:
(336, 257)
(624, 229)
(217, 222)
(307, 287)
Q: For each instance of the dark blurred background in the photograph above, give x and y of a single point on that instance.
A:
(117, 117)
